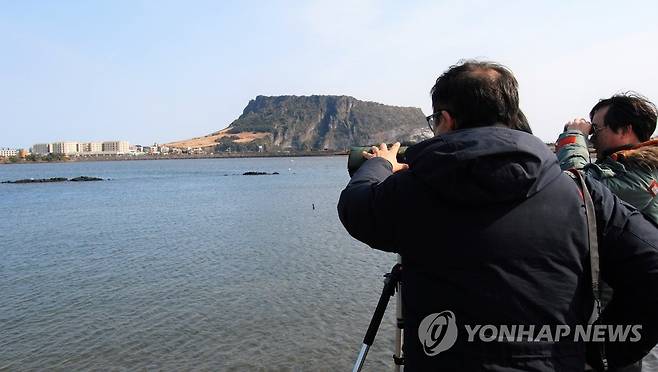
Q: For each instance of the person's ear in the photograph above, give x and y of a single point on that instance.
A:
(451, 124)
(629, 134)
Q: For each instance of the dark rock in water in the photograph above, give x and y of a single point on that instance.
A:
(39, 180)
(85, 178)
(251, 173)
(55, 179)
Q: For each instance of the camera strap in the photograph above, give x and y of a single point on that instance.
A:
(593, 247)
(592, 233)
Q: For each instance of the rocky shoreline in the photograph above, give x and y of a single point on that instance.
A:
(185, 156)
(55, 179)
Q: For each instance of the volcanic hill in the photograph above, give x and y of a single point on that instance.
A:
(314, 123)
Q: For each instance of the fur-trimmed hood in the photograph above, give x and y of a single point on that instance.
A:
(643, 155)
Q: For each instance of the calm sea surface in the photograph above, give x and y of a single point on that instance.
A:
(185, 265)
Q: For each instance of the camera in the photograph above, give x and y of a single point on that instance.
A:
(355, 156)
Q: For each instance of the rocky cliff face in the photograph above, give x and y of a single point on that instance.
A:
(326, 122)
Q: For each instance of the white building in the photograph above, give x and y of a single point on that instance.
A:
(116, 147)
(90, 148)
(82, 148)
(7, 152)
(65, 148)
(42, 148)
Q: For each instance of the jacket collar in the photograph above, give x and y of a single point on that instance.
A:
(623, 151)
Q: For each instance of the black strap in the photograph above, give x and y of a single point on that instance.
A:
(593, 242)
(592, 237)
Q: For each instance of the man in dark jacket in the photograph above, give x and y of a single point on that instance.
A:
(626, 160)
(493, 239)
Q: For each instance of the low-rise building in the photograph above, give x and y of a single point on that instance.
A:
(7, 152)
(154, 149)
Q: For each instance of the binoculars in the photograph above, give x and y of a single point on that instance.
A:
(355, 157)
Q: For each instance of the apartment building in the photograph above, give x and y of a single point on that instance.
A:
(82, 148)
(7, 152)
(42, 148)
(65, 148)
(90, 148)
(116, 147)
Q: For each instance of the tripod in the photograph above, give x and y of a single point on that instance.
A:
(392, 282)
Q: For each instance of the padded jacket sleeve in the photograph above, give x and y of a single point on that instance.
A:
(629, 264)
(571, 150)
(630, 185)
(367, 205)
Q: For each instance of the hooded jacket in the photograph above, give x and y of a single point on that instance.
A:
(631, 173)
(492, 233)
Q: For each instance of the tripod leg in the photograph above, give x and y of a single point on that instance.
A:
(397, 356)
(388, 291)
(361, 358)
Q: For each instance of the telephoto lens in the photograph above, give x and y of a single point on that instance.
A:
(355, 157)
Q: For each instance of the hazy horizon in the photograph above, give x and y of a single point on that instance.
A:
(147, 71)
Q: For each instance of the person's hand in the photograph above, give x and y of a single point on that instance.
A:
(584, 126)
(389, 154)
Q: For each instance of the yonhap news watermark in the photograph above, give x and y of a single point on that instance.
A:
(438, 332)
(546, 333)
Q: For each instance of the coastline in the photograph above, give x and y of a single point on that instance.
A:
(183, 156)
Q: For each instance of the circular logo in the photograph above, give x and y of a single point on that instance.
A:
(438, 332)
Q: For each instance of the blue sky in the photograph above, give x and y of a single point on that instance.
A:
(158, 71)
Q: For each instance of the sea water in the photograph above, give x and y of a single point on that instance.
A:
(185, 265)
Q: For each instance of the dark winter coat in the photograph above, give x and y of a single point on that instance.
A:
(490, 229)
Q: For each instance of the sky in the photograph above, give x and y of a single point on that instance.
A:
(159, 71)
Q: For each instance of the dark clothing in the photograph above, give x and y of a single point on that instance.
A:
(490, 228)
(630, 172)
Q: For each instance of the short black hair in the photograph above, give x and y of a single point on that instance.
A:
(478, 94)
(628, 108)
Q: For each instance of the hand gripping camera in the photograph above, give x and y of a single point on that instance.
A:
(355, 156)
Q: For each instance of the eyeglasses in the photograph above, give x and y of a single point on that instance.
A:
(432, 120)
(595, 128)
